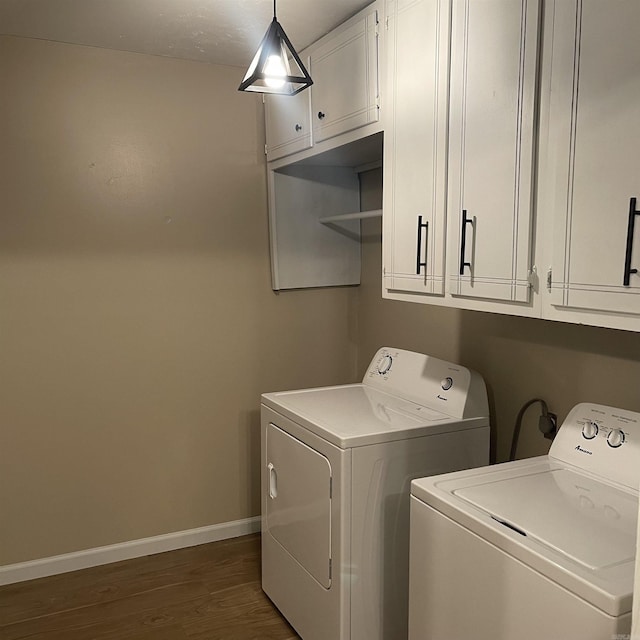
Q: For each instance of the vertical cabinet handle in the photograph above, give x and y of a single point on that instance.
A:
(633, 212)
(419, 263)
(463, 241)
(273, 481)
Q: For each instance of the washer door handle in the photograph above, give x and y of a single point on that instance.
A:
(273, 481)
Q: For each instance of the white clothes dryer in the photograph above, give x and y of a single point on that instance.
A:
(535, 549)
(337, 463)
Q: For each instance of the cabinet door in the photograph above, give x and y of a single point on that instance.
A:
(344, 69)
(594, 134)
(288, 123)
(494, 59)
(416, 145)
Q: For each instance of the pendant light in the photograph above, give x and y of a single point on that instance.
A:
(276, 67)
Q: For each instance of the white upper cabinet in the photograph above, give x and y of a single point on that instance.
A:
(574, 208)
(460, 143)
(342, 105)
(316, 143)
(510, 148)
(288, 123)
(494, 55)
(344, 68)
(593, 146)
(416, 146)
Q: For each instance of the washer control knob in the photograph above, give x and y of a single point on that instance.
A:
(615, 438)
(447, 383)
(590, 430)
(385, 364)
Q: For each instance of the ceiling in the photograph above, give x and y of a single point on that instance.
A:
(217, 31)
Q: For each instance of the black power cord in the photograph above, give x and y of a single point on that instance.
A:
(547, 424)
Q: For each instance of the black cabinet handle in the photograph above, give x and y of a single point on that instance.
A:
(463, 242)
(321, 115)
(298, 127)
(419, 263)
(633, 212)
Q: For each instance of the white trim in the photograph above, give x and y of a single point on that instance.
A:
(126, 550)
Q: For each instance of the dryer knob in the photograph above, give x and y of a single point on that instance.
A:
(384, 365)
(590, 430)
(615, 438)
(446, 384)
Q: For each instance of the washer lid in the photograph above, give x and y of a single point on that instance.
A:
(570, 526)
(357, 415)
(592, 523)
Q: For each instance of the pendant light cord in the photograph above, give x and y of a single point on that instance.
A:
(274, 9)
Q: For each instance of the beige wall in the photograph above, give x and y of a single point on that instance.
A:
(137, 322)
(519, 358)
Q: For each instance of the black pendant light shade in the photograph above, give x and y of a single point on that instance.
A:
(276, 67)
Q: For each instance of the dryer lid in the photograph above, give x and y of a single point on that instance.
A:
(590, 522)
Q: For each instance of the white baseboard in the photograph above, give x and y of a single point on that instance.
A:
(124, 551)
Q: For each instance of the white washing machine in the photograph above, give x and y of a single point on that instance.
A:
(535, 549)
(337, 463)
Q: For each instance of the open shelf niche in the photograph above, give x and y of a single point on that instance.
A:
(315, 216)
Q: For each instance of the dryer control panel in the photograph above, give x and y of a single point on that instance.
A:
(444, 386)
(603, 440)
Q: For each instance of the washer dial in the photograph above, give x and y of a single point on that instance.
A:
(615, 438)
(590, 430)
(446, 383)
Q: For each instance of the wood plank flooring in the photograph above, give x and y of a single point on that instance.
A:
(208, 592)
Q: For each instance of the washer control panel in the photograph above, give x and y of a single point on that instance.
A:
(601, 439)
(615, 437)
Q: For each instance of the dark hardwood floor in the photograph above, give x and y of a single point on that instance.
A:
(208, 592)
